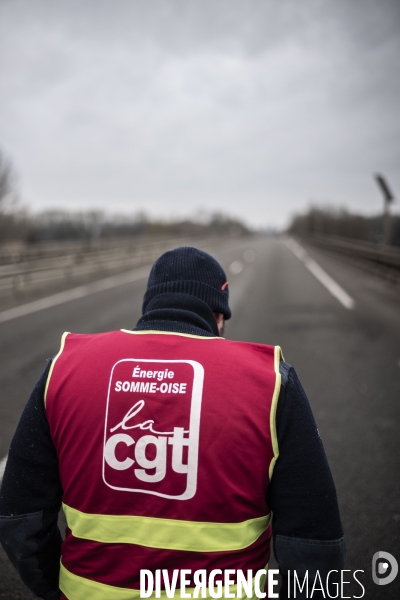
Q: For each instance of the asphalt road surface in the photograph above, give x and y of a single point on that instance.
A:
(347, 357)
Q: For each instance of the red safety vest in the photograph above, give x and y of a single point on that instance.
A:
(166, 445)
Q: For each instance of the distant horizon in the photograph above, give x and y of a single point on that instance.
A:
(141, 216)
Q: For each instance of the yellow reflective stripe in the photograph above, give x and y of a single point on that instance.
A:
(278, 356)
(75, 587)
(189, 335)
(80, 588)
(169, 534)
(63, 338)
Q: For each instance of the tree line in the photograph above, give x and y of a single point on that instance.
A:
(343, 223)
(19, 224)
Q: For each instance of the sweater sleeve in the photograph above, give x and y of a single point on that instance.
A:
(30, 499)
(306, 524)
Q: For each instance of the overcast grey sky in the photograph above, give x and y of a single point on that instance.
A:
(253, 107)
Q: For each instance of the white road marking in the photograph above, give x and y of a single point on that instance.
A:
(331, 285)
(236, 267)
(2, 467)
(74, 293)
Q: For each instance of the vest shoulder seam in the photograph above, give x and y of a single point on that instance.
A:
(63, 338)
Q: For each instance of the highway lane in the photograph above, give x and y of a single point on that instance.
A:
(348, 361)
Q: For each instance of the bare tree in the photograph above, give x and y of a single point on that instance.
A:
(13, 221)
(7, 182)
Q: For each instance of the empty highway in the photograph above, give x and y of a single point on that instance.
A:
(337, 325)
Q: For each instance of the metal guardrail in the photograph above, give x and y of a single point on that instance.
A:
(18, 252)
(379, 258)
(23, 266)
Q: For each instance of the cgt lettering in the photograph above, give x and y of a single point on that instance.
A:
(140, 460)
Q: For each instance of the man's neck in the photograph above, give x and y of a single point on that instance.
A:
(179, 313)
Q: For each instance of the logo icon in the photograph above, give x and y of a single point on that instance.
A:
(384, 568)
(151, 432)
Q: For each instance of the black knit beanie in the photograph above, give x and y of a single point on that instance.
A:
(188, 270)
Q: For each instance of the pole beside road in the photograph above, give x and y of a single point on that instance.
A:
(388, 198)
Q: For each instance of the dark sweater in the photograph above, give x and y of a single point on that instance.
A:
(306, 522)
